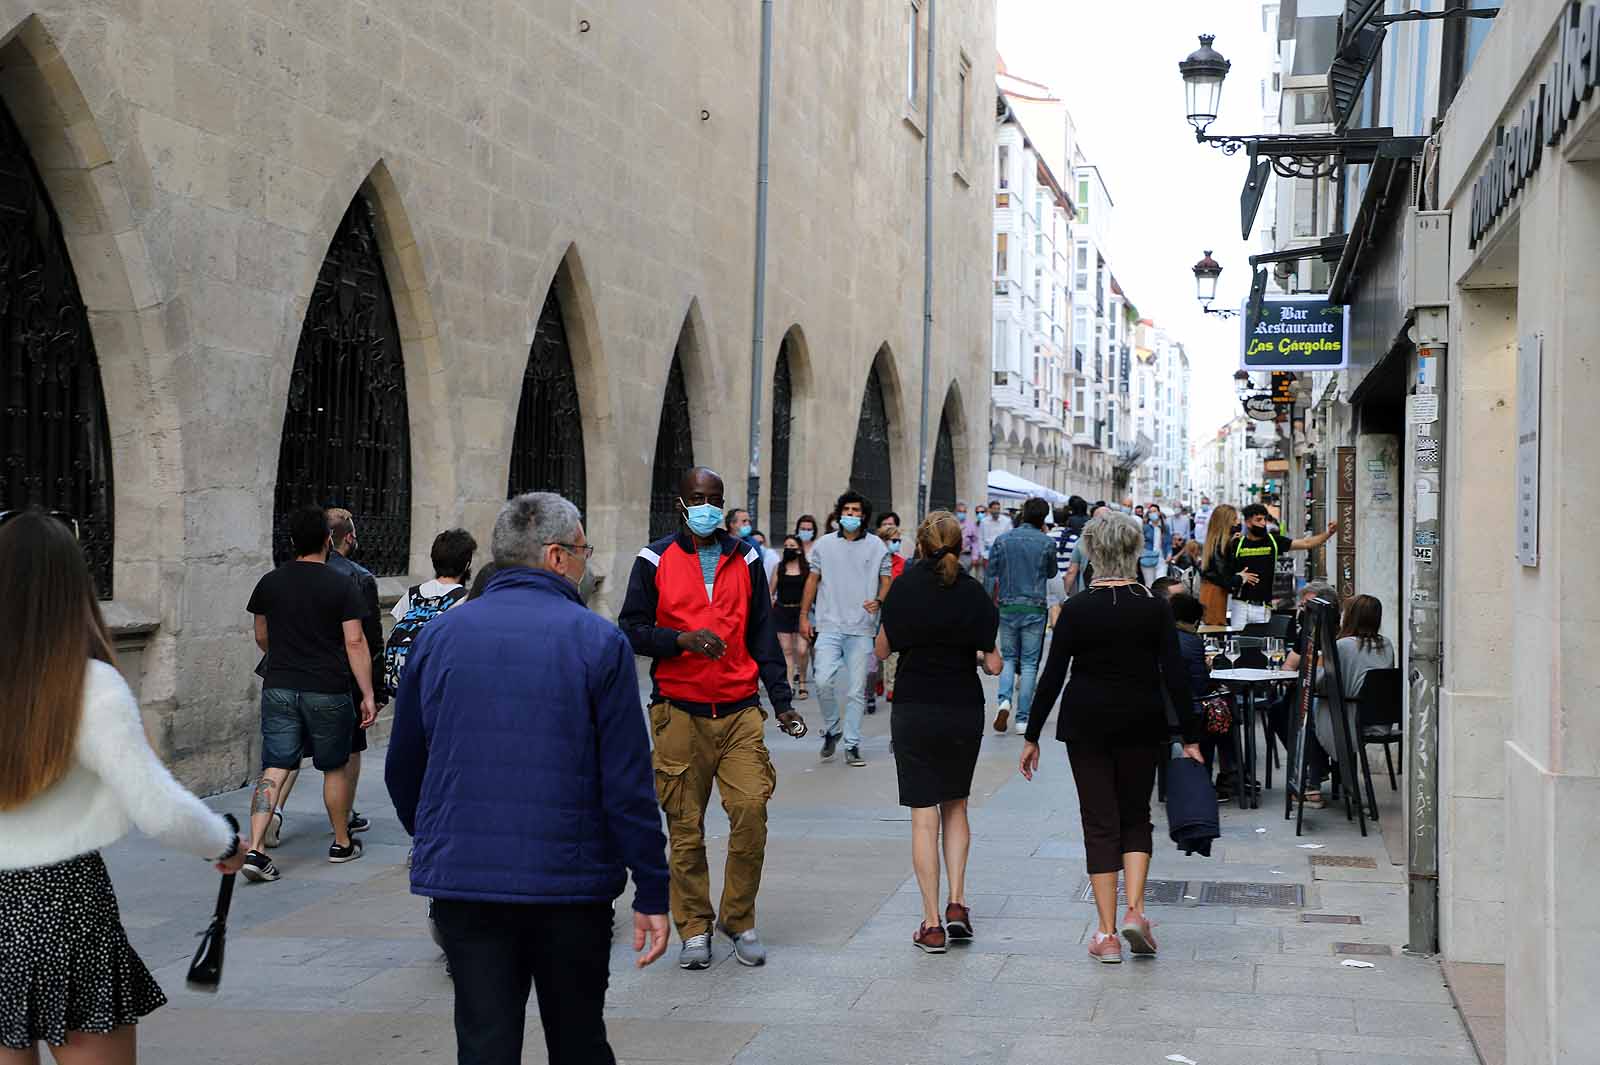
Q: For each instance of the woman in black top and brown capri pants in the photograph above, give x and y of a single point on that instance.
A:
(1122, 646)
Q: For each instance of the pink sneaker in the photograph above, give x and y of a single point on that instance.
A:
(1105, 948)
(1136, 929)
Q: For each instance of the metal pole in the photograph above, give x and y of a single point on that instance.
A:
(927, 277)
(1425, 433)
(759, 314)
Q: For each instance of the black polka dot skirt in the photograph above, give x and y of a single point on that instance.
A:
(65, 962)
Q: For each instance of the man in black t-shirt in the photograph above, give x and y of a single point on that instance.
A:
(308, 621)
(1252, 559)
(342, 538)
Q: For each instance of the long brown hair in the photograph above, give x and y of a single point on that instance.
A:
(50, 628)
(1219, 530)
(940, 534)
(1363, 618)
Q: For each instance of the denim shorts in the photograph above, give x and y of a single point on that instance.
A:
(293, 722)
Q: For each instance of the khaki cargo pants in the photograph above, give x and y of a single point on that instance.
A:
(691, 752)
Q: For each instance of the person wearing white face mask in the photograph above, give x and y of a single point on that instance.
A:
(971, 541)
(889, 533)
(850, 574)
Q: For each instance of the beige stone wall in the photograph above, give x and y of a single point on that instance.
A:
(201, 153)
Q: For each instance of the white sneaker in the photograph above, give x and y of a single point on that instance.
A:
(274, 834)
(1022, 728)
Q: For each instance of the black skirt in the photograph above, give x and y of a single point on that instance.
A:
(935, 751)
(785, 618)
(65, 962)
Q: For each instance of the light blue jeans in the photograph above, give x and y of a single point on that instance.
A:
(840, 662)
(1021, 640)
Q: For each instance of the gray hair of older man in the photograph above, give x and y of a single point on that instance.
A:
(1318, 590)
(529, 522)
(1113, 543)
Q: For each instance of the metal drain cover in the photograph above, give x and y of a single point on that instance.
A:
(1329, 918)
(1343, 861)
(1156, 892)
(1281, 896)
(1363, 948)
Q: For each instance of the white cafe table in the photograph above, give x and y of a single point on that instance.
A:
(1250, 678)
(1254, 676)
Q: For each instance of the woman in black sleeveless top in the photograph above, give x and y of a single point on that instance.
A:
(787, 585)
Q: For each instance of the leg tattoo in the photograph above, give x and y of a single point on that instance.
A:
(261, 798)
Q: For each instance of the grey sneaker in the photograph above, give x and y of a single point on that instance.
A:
(696, 952)
(747, 948)
(852, 756)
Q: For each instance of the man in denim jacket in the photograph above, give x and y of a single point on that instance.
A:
(1021, 564)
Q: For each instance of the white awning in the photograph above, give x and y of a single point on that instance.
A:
(1009, 486)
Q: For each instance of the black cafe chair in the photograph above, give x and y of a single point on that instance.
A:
(1380, 718)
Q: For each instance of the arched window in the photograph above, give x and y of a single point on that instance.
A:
(55, 446)
(547, 447)
(346, 431)
(942, 483)
(674, 454)
(778, 507)
(870, 472)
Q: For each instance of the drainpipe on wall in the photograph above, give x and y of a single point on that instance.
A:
(759, 315)
(927, 276)
(1425, 441)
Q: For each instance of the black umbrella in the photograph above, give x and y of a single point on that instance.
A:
(205, 971)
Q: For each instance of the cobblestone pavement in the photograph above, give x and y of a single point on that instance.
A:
(332, 964)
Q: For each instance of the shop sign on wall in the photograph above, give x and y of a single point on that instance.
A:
(1344, 569)
(1518, 149)
(1530, 356)
(1297, 333)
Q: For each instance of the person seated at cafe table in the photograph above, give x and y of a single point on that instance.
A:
(1187, 612)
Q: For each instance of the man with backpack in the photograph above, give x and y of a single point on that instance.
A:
(452, 569)
(1252, 560)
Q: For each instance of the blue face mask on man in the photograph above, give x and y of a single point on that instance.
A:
(702, 518)
(744, 530)
(850, 522)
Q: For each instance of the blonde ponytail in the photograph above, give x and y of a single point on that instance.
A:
(939, 541)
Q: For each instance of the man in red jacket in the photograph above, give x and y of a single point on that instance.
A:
(698, 605)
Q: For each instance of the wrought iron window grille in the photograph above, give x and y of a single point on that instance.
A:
(346, 427)
(55, 441)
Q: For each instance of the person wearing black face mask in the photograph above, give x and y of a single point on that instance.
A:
(788, 586)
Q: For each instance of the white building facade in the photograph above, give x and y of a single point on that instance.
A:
(1030, 393)
(1160, 414)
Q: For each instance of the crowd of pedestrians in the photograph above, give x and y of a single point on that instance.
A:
(512, 700)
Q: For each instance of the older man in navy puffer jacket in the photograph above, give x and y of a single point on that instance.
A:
(520, 764)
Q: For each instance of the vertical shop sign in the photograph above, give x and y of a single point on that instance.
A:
(1530, 357)
(1344, 573)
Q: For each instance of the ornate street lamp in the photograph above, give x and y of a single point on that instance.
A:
(1206, 272)
(1241, 385)
(1290, 155)
(1203, 72)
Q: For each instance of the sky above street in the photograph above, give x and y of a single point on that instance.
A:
(1116, 67)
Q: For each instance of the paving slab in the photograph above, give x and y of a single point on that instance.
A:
(334, 964)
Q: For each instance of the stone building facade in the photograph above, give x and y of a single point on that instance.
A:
(203, 157)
